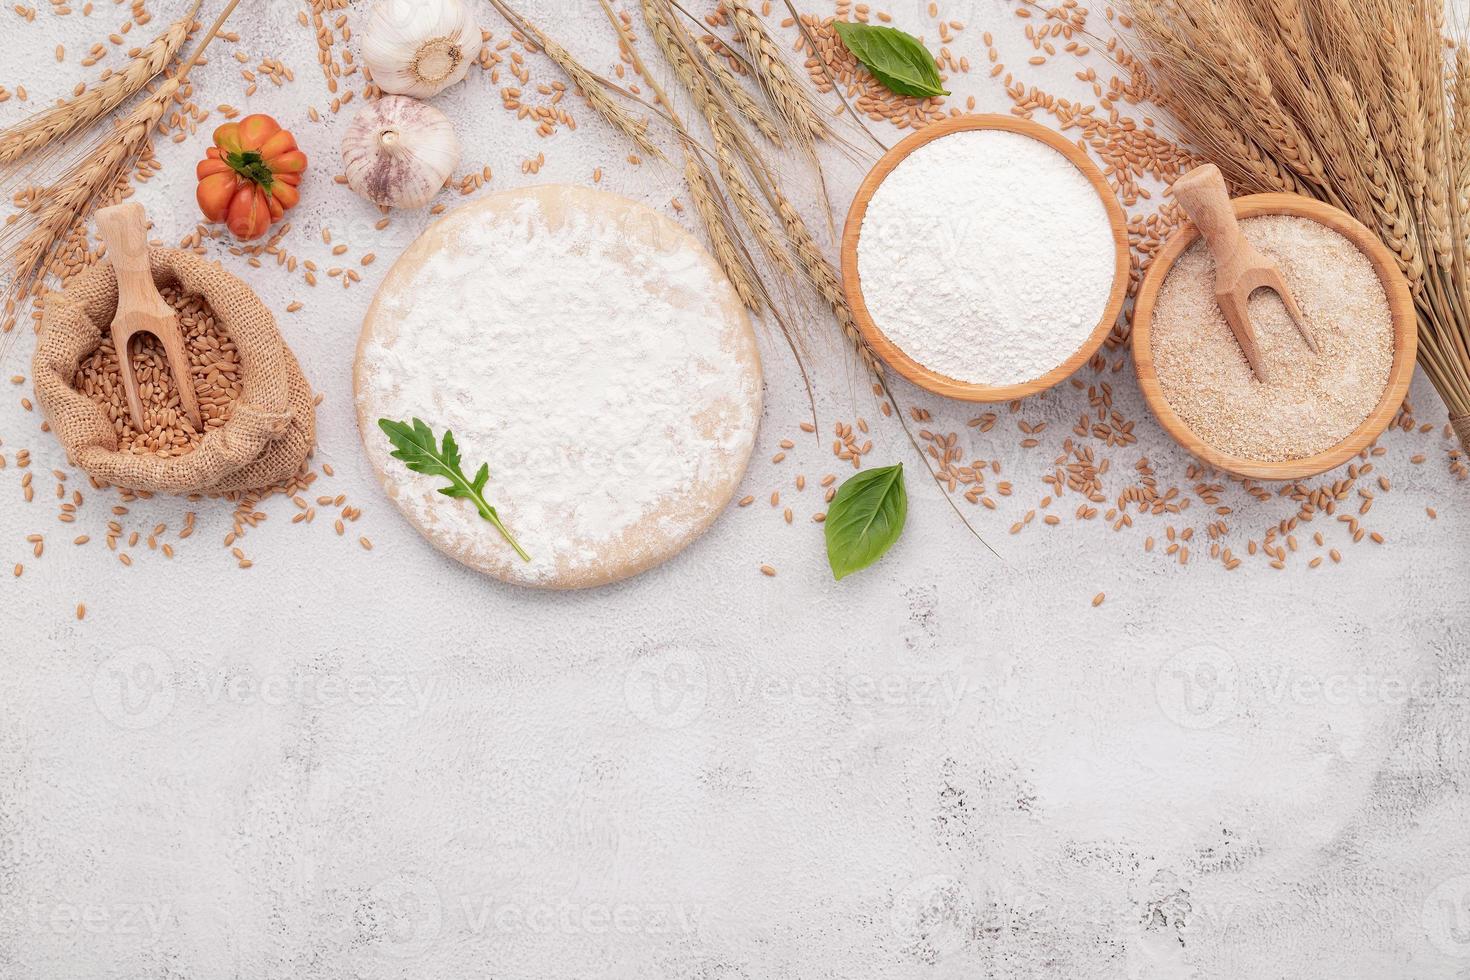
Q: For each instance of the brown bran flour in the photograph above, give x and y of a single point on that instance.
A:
(1312, 401)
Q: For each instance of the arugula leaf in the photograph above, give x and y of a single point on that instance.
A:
(897, 59)
(865, 519)
(414, 445)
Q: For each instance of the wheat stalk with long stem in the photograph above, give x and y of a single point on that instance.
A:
(812, 262)
(30, 246)
(722, 235)
(46, 128)
(729, 141)
(734, 152)
(725, 241)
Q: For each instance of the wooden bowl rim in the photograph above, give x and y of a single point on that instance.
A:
(890, 352)
(1401, 310)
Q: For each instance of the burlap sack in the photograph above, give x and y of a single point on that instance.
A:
(270, 430)
(1461, 425)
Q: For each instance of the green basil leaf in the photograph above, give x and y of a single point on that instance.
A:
(865, 519)
(898, 60)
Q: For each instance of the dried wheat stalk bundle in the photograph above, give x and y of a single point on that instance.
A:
(45, 128)
(88, 181)
(739, 161)
(30, 247)
(1353, 102)
(747, 185)
(33, 245)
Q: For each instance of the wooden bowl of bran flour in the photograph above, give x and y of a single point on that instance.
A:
(1294, 439)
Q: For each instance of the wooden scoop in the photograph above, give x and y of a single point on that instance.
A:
(141, 309)
(1239, 268)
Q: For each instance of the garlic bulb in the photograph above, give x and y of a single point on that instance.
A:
(420, 47)
(399, 151)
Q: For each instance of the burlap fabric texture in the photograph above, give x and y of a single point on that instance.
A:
(271, 428)
(1461, 424)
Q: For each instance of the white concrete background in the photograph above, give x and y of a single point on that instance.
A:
(342, 764)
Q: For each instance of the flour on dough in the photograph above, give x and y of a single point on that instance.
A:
(592, 354)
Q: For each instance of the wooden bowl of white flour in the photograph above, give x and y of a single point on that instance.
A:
(985, 258)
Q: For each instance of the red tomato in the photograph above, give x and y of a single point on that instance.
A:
(249, 178)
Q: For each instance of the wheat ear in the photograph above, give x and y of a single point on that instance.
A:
(795, 104)
(751, 211)
(72, 198)
(61, 120)
(1267, 112)
(1460, 132)
(1304, 86)
(662, 28)
(1426, 35)
(735, 259)
(748, 107)
(721, 235)
(819, 272)
(1395, 222)
(1403, 90)
(1347, 41)
(599, 99)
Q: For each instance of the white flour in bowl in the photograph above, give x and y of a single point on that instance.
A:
(987, 257)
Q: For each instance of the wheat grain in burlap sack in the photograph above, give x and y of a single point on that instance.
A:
(270, 429)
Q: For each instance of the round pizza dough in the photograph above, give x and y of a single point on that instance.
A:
(592, 353)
